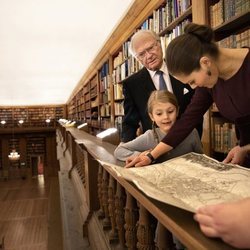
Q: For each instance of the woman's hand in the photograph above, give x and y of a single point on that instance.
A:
(229, 221)
(237, 155)
(130, 159)
(138, 161)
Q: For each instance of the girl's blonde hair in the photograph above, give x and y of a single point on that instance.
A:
(162, 96)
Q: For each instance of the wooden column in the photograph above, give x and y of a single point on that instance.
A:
(131, 218)
(120, 200)
(52, 166)
(91, 172)
(5, 159)
(163, 238)
(105, 182)
(199, 11)
(100, 212)
(25, 172)
(113, 236)
(146, 230)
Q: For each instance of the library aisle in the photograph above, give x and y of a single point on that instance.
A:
(30, 217)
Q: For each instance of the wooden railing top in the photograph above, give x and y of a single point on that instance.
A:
(180, 222)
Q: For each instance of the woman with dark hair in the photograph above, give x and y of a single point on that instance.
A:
(220, 75)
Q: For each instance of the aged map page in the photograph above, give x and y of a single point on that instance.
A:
(189, 181)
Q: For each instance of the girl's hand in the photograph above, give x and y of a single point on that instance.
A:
(129, 159)
(138, 161)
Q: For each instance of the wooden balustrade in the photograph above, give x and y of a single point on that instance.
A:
(120, 199)
(116, 214)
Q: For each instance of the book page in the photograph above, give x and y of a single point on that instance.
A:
(189, 181)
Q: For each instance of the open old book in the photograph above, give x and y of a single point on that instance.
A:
(189, 181)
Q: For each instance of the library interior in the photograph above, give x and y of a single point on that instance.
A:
(59, 183)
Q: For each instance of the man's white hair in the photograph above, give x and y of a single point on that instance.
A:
(139, 34)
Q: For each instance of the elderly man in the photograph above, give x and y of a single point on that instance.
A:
(146, 48)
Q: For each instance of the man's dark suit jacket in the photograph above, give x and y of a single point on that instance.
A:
(137, 89)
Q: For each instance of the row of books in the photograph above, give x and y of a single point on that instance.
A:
(178, 30)
(87, 105)
(105, 110)
(86, 89)
(118, 92)
(28, 111)
(224, 137)
(94, 103)
(104, 83)
(123, 55)
(95, 123)
(118, 124)
(104, 71)
(224, 10)
(119, 59)
(93, 91)
(236, 41)
(165, 15)
(105, 123)
(13, 142)
(88, 113)
(119, 110)
(94, 81)
(105, 96)
(30, 120)
(125, 69)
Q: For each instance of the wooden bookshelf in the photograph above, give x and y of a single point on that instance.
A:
(32, 116)
(1, 161)
(33, 137)
(30, 144)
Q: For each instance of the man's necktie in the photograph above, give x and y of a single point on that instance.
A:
(162, 83)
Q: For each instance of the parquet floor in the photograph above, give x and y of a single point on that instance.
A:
(24, 214)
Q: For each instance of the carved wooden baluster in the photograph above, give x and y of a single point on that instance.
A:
(83, 175)
(120, 199)
(105, 183)
(131, 218)
(146, 230)
(100, 212)
(111, 207)
(82, 170)
(164, 239)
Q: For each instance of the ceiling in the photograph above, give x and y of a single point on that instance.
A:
(46, 46)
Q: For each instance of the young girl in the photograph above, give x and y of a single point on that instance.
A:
(163, 111)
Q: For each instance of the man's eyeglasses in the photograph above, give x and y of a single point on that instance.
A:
(149, 50)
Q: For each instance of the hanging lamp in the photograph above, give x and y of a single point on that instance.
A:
(13, 156)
